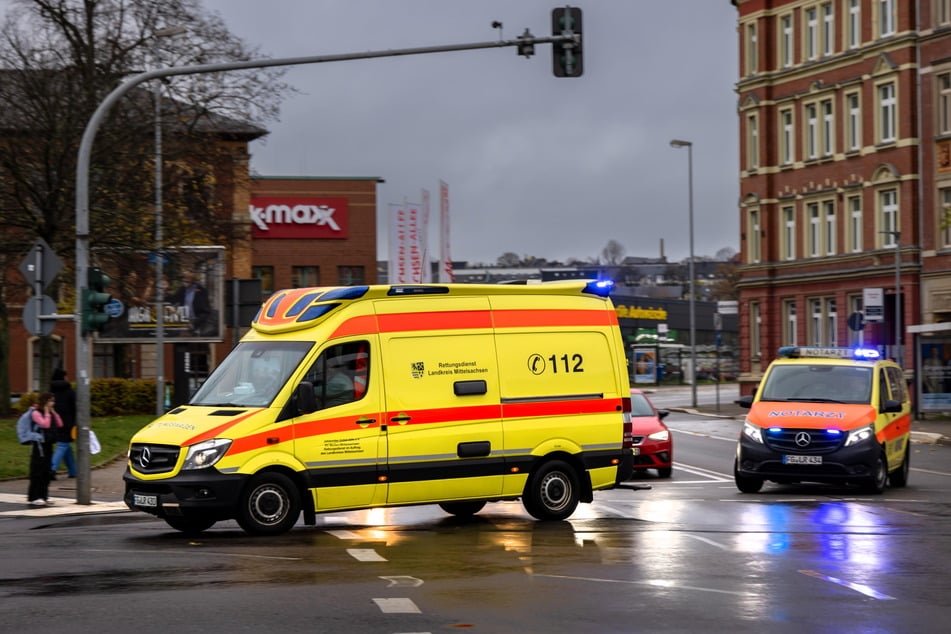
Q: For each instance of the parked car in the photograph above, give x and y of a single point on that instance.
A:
(653, 445)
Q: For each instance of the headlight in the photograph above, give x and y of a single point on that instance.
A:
(660, 435)
(858, 435)
(753, 432)
(205, 454)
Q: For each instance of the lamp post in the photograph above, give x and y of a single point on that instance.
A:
(678, 143)
(898, 352)
(160, 238)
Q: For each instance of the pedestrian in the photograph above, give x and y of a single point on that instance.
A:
(66, 408)
(46, 421)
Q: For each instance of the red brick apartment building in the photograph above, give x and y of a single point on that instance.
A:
(845, 176)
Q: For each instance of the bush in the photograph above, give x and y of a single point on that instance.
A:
(110, 397)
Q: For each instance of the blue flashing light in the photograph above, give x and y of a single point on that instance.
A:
(347, 292)
(601, 288)
(775, 430)
(870, 354)
(316, 311)
(815, 352)
(833, 432)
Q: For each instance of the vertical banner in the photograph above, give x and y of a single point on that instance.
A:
(445, 260)
(426, 274)
(399, 245)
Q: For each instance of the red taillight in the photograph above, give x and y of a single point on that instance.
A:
(628, 437)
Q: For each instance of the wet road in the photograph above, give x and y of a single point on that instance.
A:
(689, 554)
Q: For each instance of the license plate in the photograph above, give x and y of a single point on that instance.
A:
(144, 500)
(802, 459)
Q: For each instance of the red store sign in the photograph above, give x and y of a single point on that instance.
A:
(299, 217)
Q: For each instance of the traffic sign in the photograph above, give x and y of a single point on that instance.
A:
(856, 321)
(41, 265)
(34, 307)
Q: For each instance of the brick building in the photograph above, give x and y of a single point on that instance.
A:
(845, 126)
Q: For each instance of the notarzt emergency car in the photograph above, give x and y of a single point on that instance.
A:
(836, 415)
(368, 396)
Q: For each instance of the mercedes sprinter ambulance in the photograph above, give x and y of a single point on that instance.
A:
(370, 396)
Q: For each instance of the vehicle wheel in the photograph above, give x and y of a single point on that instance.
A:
(664, 472)
(462, 509)
(745, 484)
(876, 485)
(899, 477)
(552, 492)
(190, 525)
(269, 505)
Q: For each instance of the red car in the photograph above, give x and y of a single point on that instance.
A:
(653, 445)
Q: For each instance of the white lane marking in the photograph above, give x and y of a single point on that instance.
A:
(704, 435)
(344, 534)
(861, 588)
(707, 540)
(397, 606)
(657, 583)
(403, 580)
(932, 472)
(364, 554)
(700, 471)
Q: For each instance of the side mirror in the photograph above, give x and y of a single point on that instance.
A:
(306, 402)
(662, 413)
(745, 401)
(892, 406)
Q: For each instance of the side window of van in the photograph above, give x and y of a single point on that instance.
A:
(340, 373)
(896, 382)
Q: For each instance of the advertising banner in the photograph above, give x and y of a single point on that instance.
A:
(935, 376)
(445, 260)
(405, 253)
(191, 288)
(314, 217)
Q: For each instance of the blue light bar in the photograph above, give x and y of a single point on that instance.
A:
(601, 288)
(813, 352)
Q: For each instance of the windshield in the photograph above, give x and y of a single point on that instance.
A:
(818, 384)
(252, 374)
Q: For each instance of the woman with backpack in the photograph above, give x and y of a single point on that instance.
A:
(46, 422)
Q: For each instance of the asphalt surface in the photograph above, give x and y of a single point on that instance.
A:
(107, 488)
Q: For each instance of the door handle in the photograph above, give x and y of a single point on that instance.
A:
(401, 418)
(365, 421)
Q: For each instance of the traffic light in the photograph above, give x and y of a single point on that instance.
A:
(567, 59)
(95, 299)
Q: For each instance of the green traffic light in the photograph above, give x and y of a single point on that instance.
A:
(94, 300)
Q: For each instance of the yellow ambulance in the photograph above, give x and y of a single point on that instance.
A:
(369, 396)
(834, 415)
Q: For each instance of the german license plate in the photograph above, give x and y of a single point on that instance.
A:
(144, 500)
(802, 459)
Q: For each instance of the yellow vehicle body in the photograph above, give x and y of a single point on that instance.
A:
(832, 415)
(452, 394)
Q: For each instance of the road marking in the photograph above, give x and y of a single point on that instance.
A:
(61, 506)
(704, 435)
(861, 588)
(364, 554)
(707, 540)
(700, 471)
(344, 534)
(397, 606)
(404, 581)
(657, 583)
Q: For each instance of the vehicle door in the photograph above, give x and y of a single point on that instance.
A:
(897, 425)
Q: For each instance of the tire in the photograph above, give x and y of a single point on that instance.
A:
(745, 484)
(462, 509)
(552, 492)
(899, 477)
(664, 472)
(876, 484)
(190, 525)
(269, 505)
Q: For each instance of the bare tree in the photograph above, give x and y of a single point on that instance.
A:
(508, 260)
(58, 60)
(613, 252)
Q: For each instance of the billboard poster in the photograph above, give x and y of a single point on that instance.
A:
(935, 376)
(645, 366)
(191, 287)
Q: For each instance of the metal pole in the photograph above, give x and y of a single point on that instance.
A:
(898, 351)
(692, 299)
(159, 261)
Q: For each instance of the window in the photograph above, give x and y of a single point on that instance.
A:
(340, 374)
(815, 230)
(789, 322)
(752, 56)
(786, 40)
(787, 138)
(752, 142)
(823, 322)
(942, 12)
(855, 223)
(853, 122)
(944, 215)
(886, 113)
(305, 276)
(755, 341)
(789, 233)
(854, 29)
(944, 102)
(828, 140)
(888, 208)
(752, 230)
(828, 29)
(350, 275)
(886, 17)
(812, 132)
(828, 214)
(812, 33)
(855, 306)
(266, 275)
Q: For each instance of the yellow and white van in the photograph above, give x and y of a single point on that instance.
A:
(368, 396)
(836, 415)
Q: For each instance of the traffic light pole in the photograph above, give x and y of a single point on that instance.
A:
(83, 343)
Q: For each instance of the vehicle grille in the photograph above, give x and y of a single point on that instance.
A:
(153, 458)
(804, 441)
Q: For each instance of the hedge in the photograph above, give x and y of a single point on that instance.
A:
(110, 397)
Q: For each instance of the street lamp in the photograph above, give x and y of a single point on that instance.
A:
(693, 318)
(159, 237)
(897, 236)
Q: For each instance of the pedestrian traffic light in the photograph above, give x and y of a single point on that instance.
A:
(95, 299)
(566, 56)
